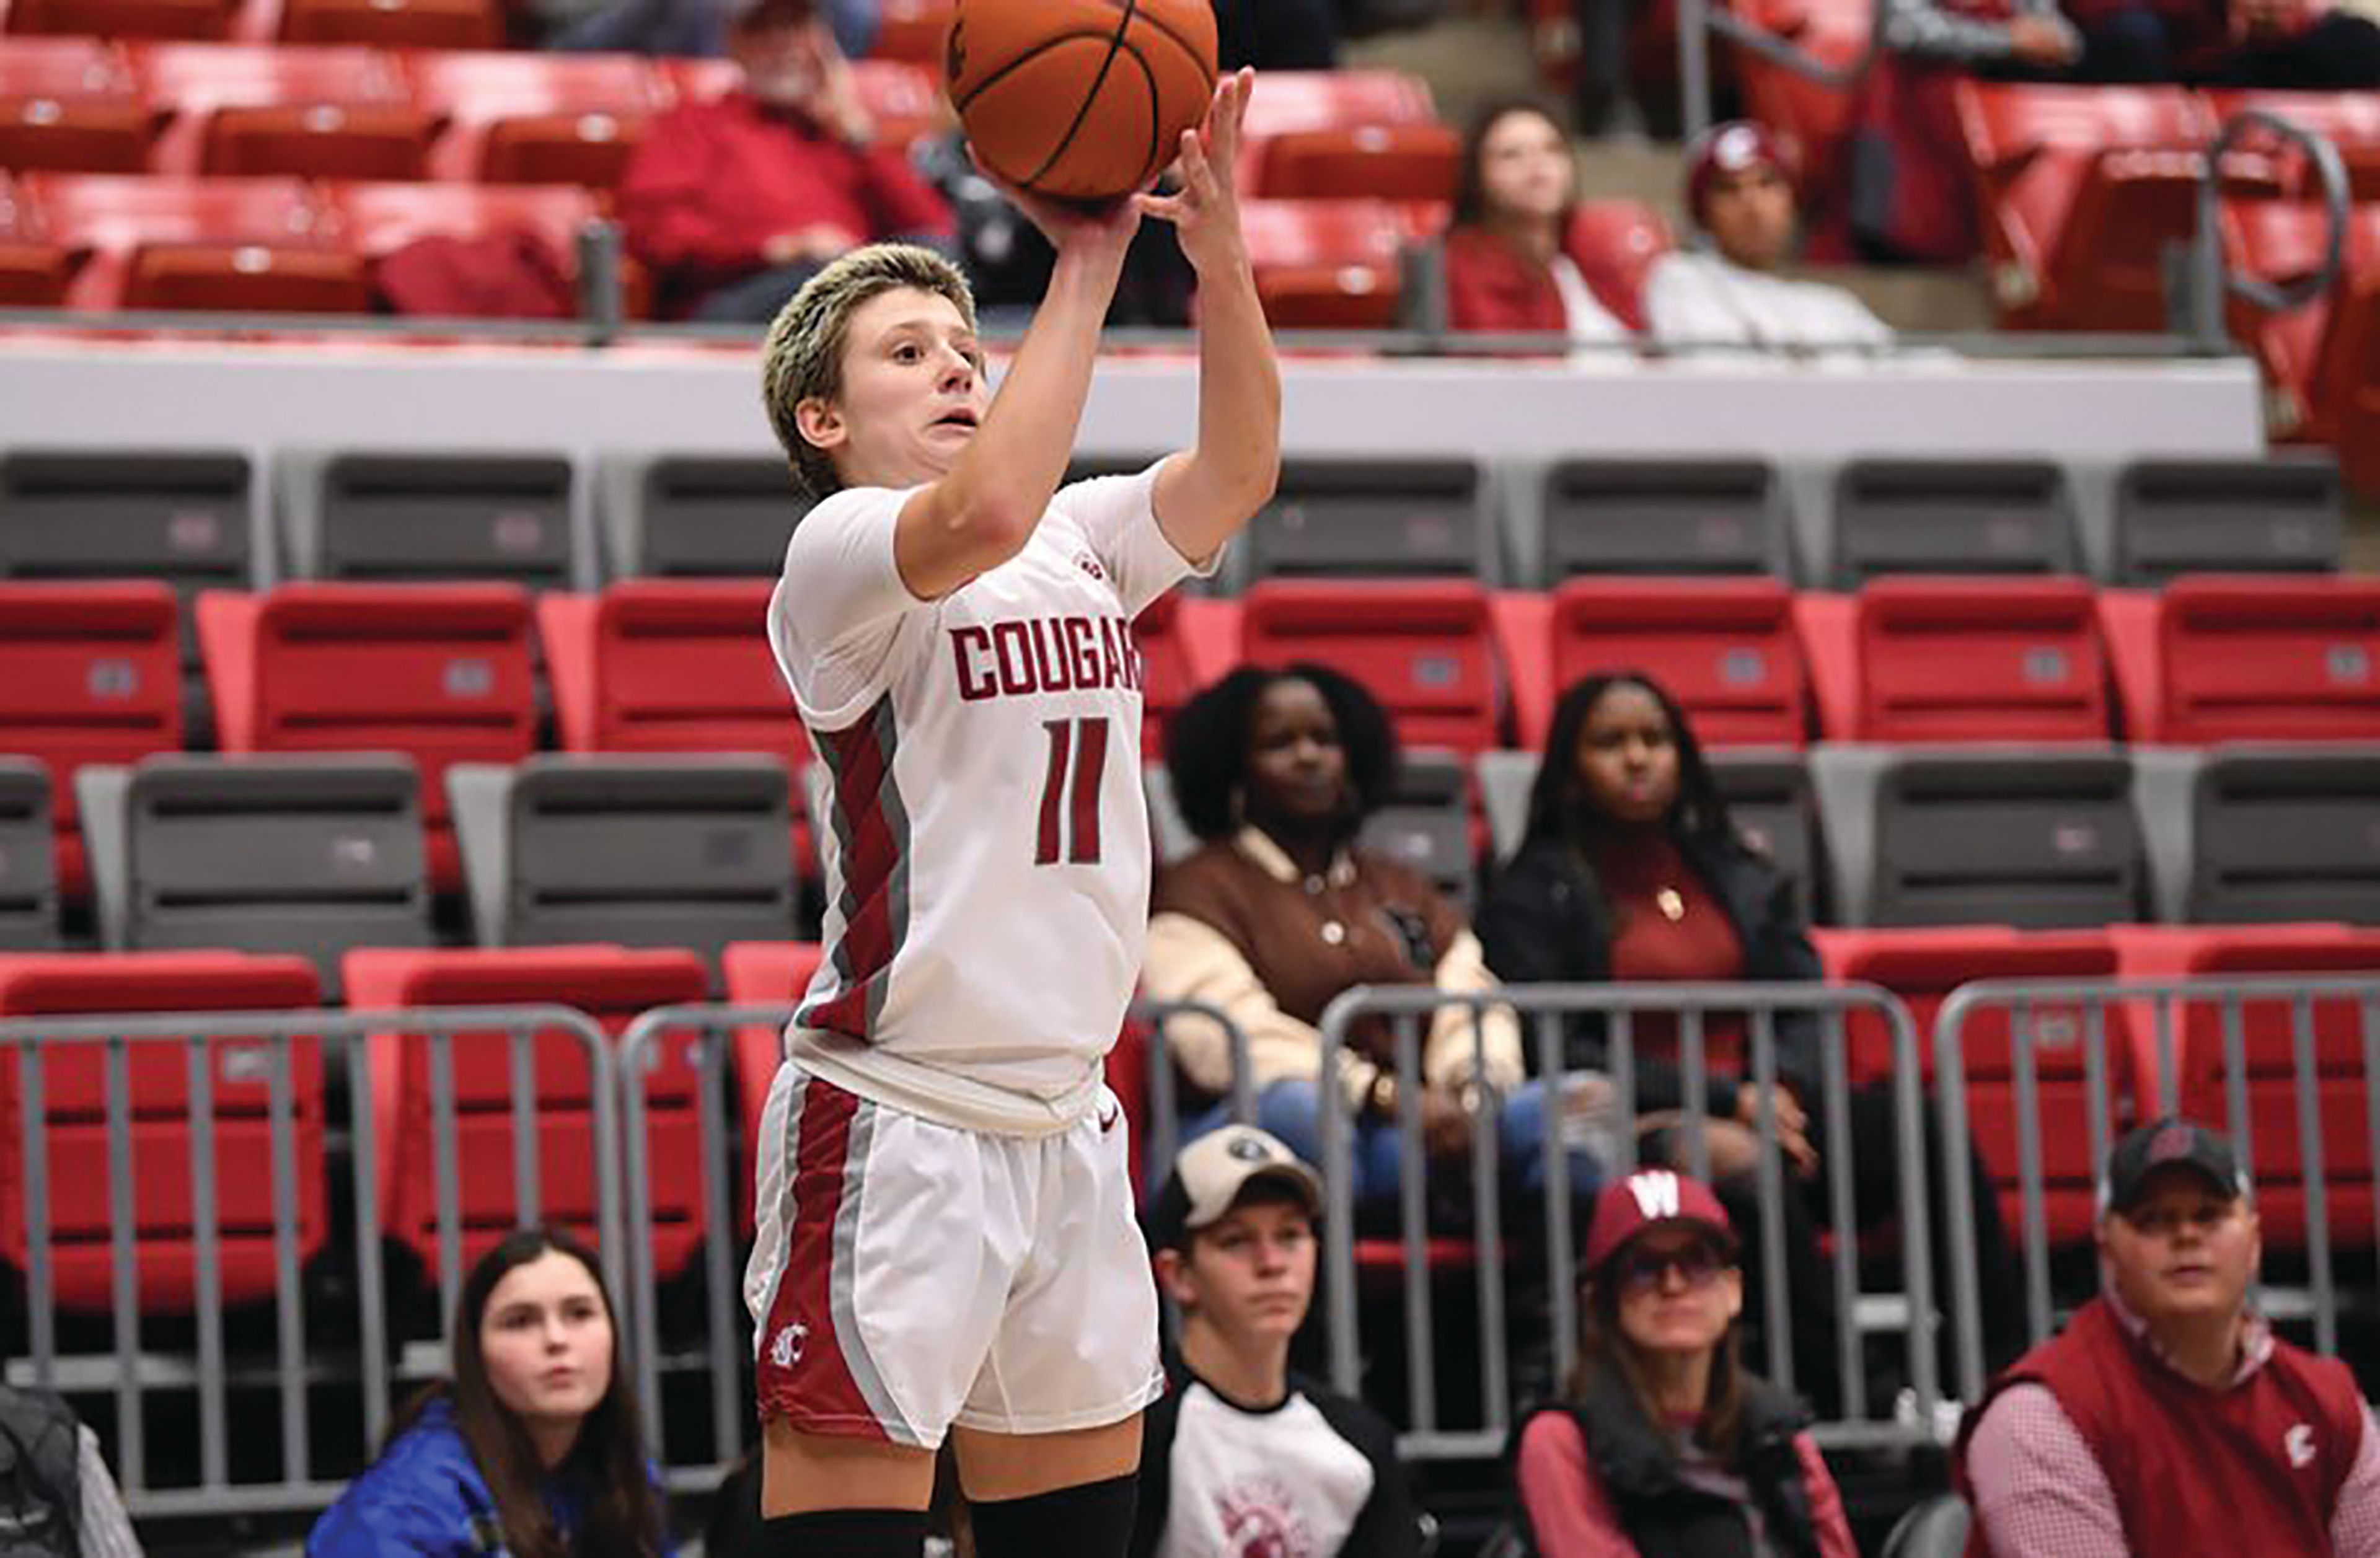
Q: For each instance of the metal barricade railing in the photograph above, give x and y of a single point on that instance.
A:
(274, 1046)
(2135, 1030)
(1761, 1006)
(1164, 1125)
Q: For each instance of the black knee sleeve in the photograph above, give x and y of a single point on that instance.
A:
(845, 1533)
(1089, 1520)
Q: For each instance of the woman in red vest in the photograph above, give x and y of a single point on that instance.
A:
(2168, 1418)
(1517, 259)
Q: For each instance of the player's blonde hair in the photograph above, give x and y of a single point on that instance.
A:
(803, 360)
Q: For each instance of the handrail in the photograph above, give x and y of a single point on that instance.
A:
(2211, 283)
(1696, 16)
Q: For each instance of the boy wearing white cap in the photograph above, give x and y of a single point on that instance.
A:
(1241, 1455)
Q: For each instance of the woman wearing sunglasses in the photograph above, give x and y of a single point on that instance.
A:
(1665, 1444)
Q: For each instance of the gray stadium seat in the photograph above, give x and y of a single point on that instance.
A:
(643, 851)
(1935, 1528)
(185, 516)
(2262, 835)
(1426, 824)
(2270, 516)
(1169, 836)
(1380, 518)
(385, 517)
(1715, 516)
(1948, 516)
(697, 516)
(28, 880)
(2005, 835)
(305, 854)
(1767, 794)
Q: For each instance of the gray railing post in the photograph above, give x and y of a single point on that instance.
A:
(2196, 307)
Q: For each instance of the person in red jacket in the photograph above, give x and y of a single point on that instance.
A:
(732, 203)
(2168, 1418)
(1515, 256)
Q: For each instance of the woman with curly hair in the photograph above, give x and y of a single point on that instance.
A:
(1282, 910)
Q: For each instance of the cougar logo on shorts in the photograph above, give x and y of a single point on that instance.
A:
(786, 1349)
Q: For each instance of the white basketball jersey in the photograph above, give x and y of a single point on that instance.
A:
(987, 850)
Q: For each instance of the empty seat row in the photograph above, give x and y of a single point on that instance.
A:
(192, 517)
(441, 24)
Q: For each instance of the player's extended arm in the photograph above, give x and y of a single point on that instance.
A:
(1205, 495)
(987, 508)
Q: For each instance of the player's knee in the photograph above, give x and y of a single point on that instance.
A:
(1089, 1520)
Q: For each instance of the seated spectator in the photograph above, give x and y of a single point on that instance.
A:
(1666, 1442)
(1740, 194)
(56, 1495)
(533, 1446)
(1240, 1450)
(1513, 262)
(1912, 197)
(1282, 910)
(695, 28)
(732, 203)
(2303, 45)
(2168, 1418)
(1631, 869)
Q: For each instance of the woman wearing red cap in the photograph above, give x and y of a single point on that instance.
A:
(1665, 1442)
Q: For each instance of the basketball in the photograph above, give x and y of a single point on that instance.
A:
(1079, 100)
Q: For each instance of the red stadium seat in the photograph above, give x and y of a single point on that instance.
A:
(1411, 163)
(1327, 264)
(396, 24)
(1923, 966)
(74, 1098)
(2349, 120)
(1186, 642)
(911, 31)
(528, 118)
(2082, 190)
(244, 245)
(440, 672)
(70, 105)
(1292, 102)
(94, 675)
(2214, 659)
(319, 113)
(1812, 119)
(762, 974)
(33, 271)
(2347, 382)
(2268, 1053)
(612, 984)
(1422, 648)
(1911, 659)
(124, 19)
(1725, 648)
(1629, 236)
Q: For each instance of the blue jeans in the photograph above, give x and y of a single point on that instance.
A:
(1291, 1110)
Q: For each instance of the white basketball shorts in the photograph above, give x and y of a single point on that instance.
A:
(909, 1275)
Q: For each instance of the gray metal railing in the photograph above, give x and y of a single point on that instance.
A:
(2198, 307)
(1698, 17)
(1761, 1006)
(2128, 1033)
(285, 1050)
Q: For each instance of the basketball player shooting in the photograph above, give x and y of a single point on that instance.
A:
(946, 1235)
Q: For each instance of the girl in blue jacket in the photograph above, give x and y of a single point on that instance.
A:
(533, 1450)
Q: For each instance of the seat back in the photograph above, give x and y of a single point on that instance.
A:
(312, 111)
(1981, 659)
(1724, 648)
(537, 118)
(1371, 518)
(303, 855)
(71, 104)
(2268, 659)
(1767, 793)
(1950, 516)
(1425, 824)
(2210, 516)
(1422, 649)
(697, 515)
(1661, 516)
(2280, 835)
(368, 516)
(669, 665)
(1406, 162)
(245, 245)
(180, 517)
(762, 974)
(1327, 264)
(28, 877)
(74, 1107)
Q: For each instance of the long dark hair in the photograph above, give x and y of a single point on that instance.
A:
(1206, 746)
(622, 1517)
(1604, 1348)
(1471, 184)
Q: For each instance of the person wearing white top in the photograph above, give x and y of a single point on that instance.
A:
(1739, 195)
(945, 1243)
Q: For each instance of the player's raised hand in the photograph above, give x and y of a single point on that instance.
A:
(1205, 209)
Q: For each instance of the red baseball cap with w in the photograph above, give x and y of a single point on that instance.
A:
(1648, 1199)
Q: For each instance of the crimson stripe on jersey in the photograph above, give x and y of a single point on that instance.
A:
(1090, 766)
(813, 1387)
(1053, 786)
(871, 830)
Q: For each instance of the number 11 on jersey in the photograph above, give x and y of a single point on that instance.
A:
(1070, 792)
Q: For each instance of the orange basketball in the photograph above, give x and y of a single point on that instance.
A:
(1081, 99)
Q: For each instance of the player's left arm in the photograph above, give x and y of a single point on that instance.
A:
(1207, 492)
